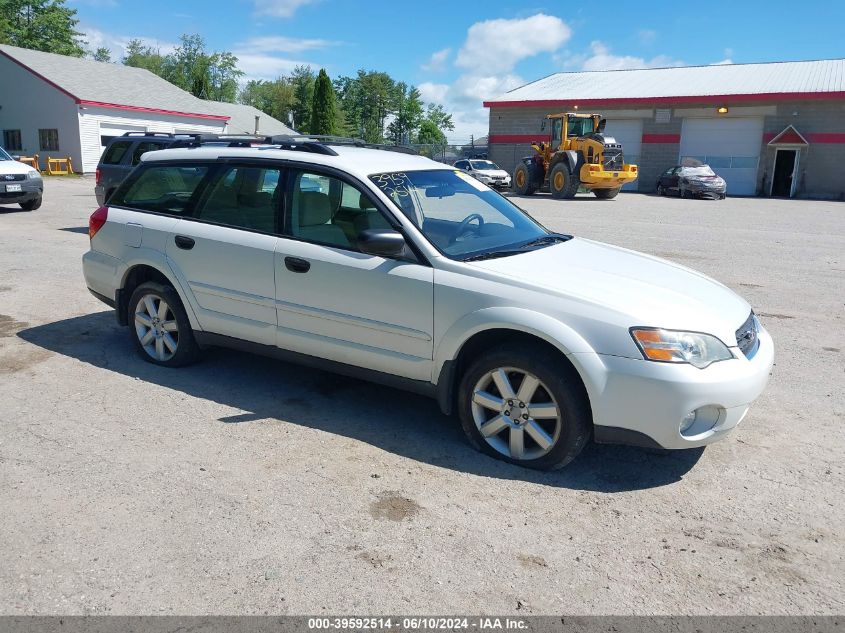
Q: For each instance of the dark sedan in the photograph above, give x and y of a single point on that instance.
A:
(691, 182)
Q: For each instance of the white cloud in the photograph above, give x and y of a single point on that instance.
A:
(281, 44)
(117, 43)
(646, 36)
(502, 43)
(437, 61)
(601, 58)
(279, 8)
(434, 93)
(724, 62)
(258, 66)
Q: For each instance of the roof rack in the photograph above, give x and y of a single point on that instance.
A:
(164, 134)
(313, 143)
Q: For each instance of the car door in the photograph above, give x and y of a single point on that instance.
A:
(224, 252)
(336, 302)
(674, 179)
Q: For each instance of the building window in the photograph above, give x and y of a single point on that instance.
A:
(12, 140)
(48, 140)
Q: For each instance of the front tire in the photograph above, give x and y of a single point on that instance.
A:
(31, 205)
(523, 182)
(562, 183)
(661, 190)
(518, 404)
(605, 194)
(160, 328)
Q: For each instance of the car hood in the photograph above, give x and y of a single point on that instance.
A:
(640, 289)
(491, 172)
(13, 167)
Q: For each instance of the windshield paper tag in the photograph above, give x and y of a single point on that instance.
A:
(471, 181)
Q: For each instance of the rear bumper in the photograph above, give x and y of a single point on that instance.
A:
(596, 177)
(100, 194)
(643, 403)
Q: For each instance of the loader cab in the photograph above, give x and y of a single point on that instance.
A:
(572, 125)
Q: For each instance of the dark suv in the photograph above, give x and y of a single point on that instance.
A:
(122, 154)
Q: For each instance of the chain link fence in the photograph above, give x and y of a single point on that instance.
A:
(450, 153)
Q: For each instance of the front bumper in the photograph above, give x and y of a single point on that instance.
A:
(30, 190)
(649, 400)
(596, 177)
(711, 193)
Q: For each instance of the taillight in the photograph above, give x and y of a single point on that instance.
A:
(97, 220)
(97, 176)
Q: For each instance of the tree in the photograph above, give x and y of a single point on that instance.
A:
(275, 98)
(42, 25)
(205, 75)
(430, 134)
(102, 54)
(324, 111)
(147, 57)
(408, 113)
(437, 115)
(302, 80)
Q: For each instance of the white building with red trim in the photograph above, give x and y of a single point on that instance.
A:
(59, 106)
(768, 129)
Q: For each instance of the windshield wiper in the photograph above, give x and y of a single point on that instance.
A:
(547, 239)
(492, 255)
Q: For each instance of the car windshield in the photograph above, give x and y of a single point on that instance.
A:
(4, 155)
(580, 126)
(483, 164)
(702, 170)
(461, 217)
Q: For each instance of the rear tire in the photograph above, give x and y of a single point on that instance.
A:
(550, 428)
(524, 182)
(605, 194)
(562, 183)
(661, 190)
(31, 205)
(160, 327)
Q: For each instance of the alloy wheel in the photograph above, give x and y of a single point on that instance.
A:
(516, 413)
(156, 327)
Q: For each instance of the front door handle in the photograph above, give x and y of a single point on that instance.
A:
(297, 264)
(185, 243)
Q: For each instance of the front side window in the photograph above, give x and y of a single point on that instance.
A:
(164, 189)
(330, 211)
(48, 140)
(245, 197)
(115, 153)
(460, 216)
(12, 140)
(4, 155)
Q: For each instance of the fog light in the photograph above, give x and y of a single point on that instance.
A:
(687, 422)
(701, 420)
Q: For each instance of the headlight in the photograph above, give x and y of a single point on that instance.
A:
(671, 346)
(32, 174)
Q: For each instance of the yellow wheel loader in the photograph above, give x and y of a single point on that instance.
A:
(577, 154)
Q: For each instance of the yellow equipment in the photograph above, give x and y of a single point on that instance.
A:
(577, 154)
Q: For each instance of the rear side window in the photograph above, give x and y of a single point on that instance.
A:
(245, 197)
(115, 152)
(142, 148)
(161, 188)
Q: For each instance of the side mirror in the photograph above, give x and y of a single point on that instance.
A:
(602, 125)
(381, 242)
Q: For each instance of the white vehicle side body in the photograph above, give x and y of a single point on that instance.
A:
(411, 320)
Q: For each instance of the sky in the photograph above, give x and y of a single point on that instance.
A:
(460, 52)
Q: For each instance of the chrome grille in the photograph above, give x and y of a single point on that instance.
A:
(613, 159)
(746, 336)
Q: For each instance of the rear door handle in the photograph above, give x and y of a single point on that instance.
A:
(297, 265)
(185, 243)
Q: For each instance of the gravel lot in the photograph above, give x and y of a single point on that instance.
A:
(244, 485)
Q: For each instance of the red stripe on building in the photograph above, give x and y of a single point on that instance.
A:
(826, 137)
(118, 106)
(661, 138)
(517, 138)
(716, 99)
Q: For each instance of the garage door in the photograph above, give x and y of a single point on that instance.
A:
(629, 132)
(730, 146)
(109, 130)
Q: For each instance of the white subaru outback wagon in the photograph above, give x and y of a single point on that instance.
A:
(401, 270)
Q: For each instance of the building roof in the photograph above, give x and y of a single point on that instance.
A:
(242, 119)
(778, 80)
(105, 84)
